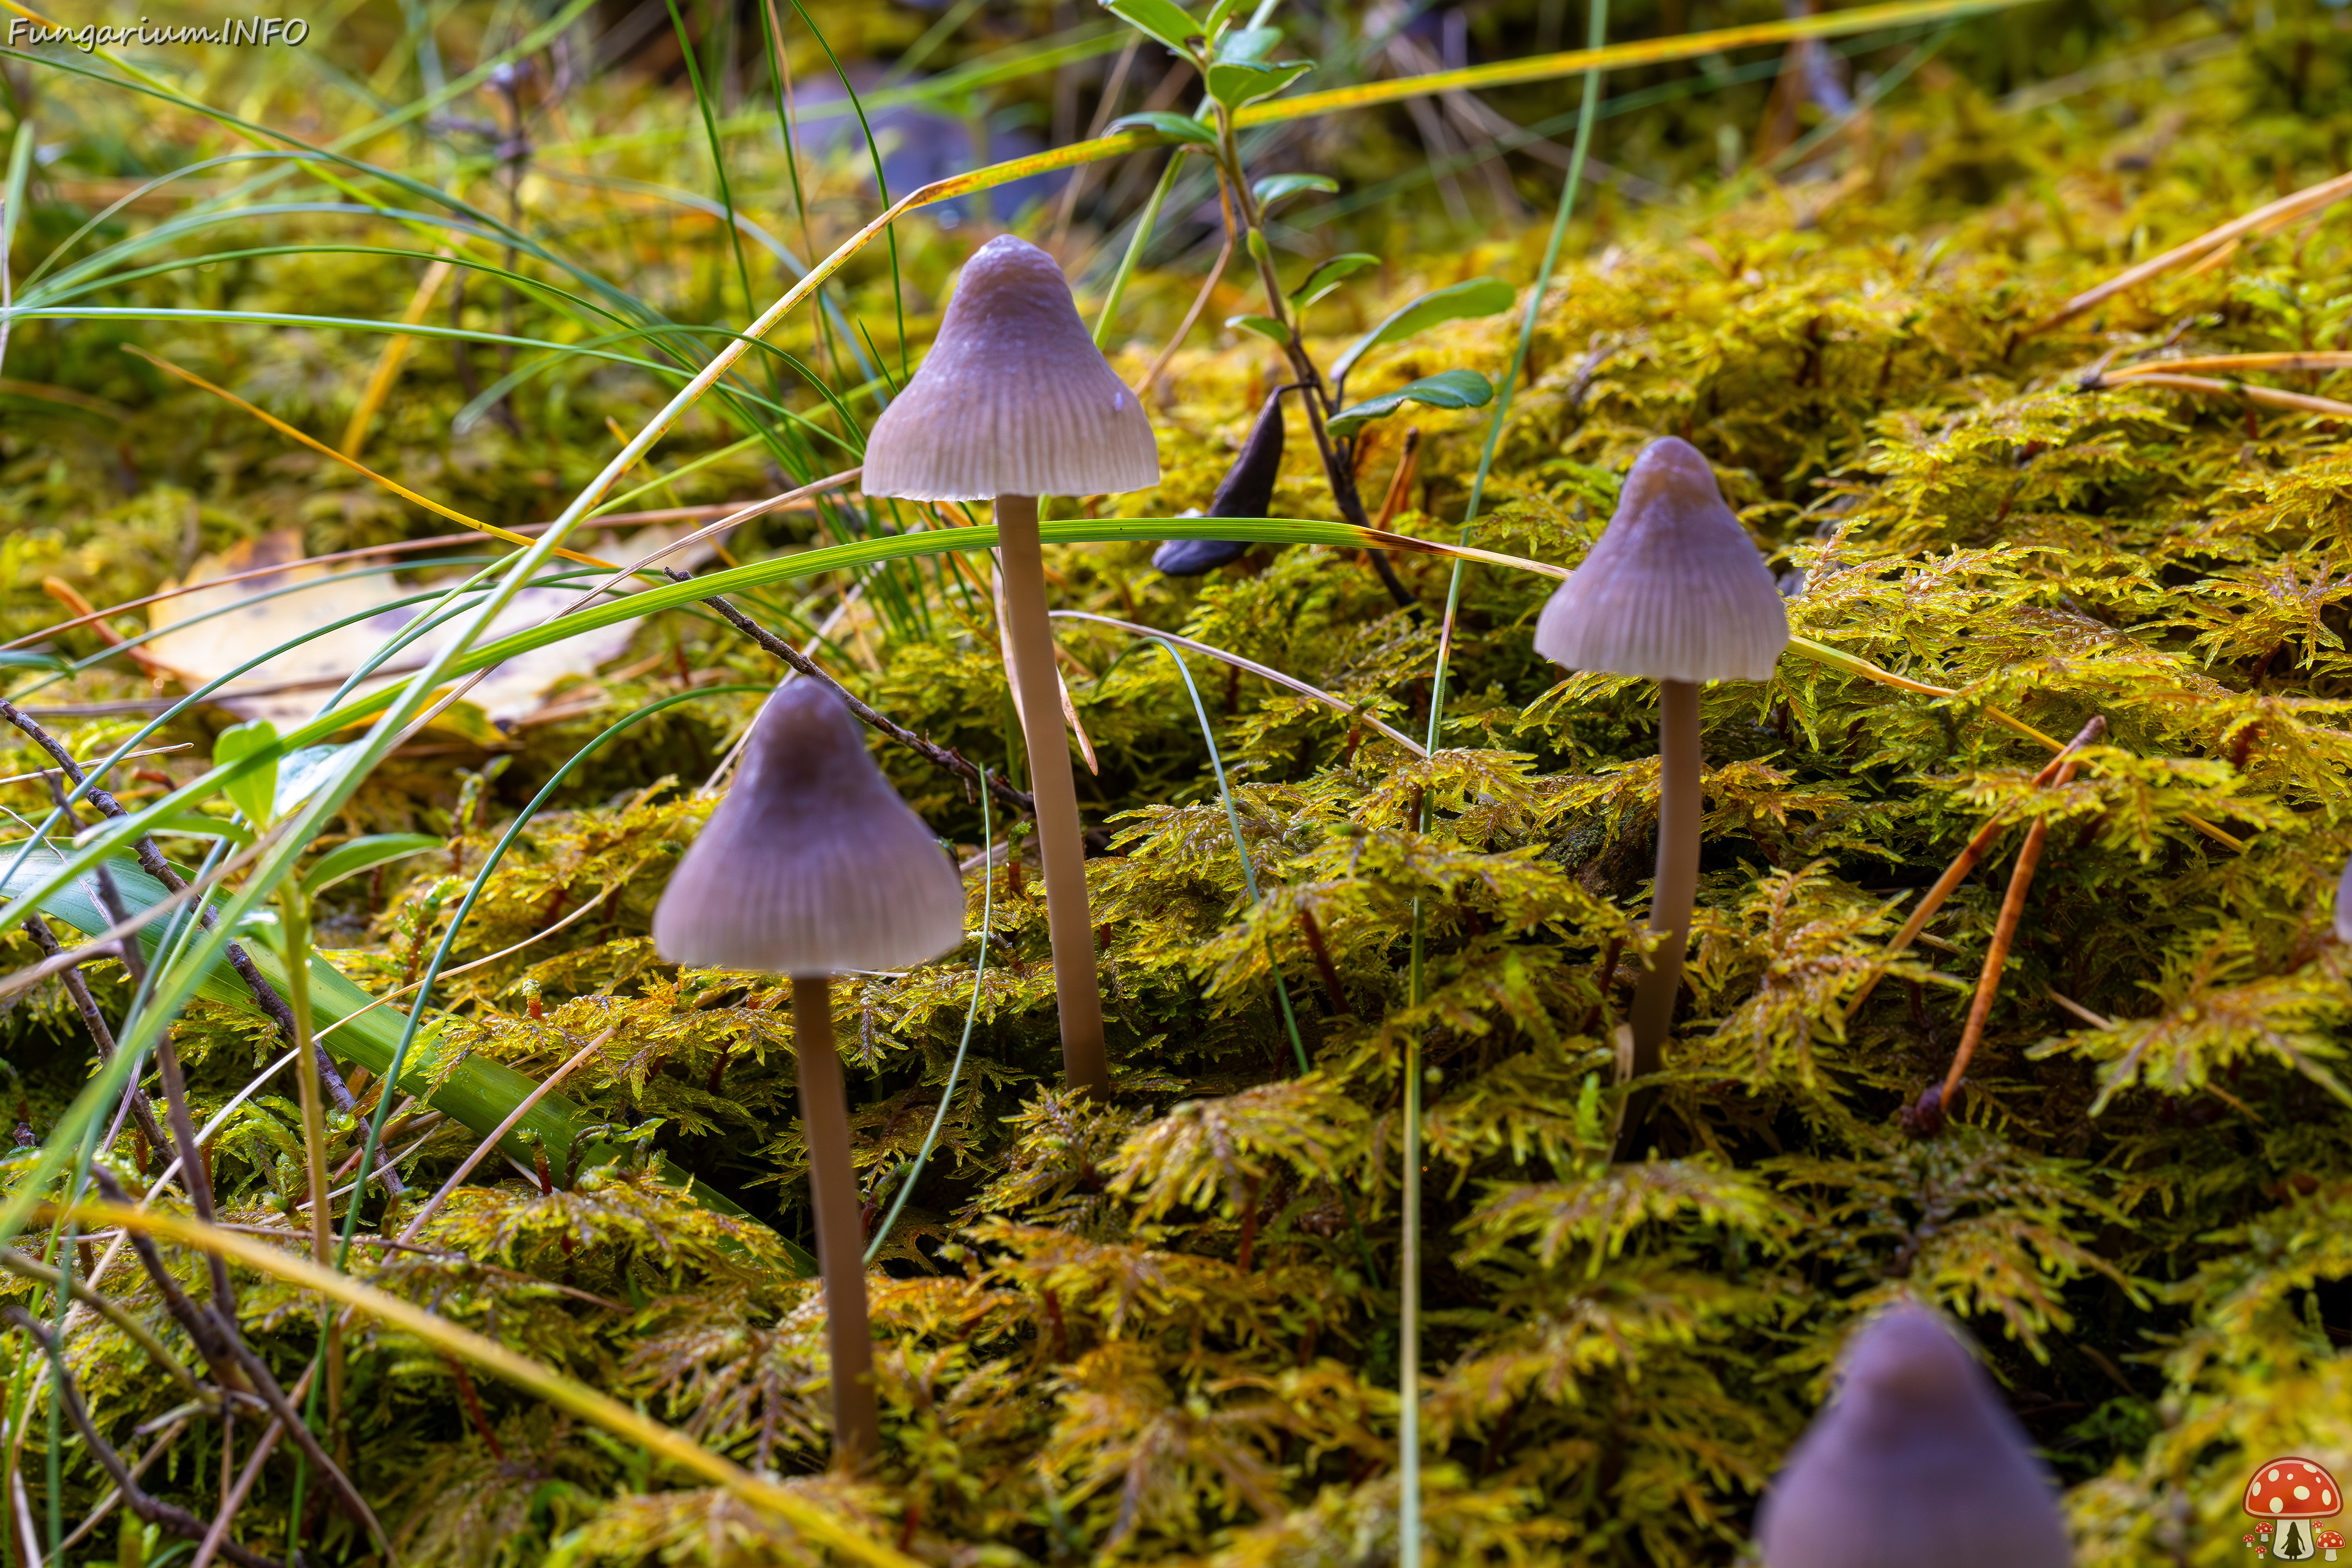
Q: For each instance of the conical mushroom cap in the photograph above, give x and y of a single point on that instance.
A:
(1916, 1461)
(1673, 590)
(1014, 399)
(811, 864)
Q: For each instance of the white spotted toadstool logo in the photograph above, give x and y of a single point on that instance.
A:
(2290, 1497)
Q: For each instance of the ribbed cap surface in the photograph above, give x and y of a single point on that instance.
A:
(1673, 590)
(1014, 400)
(1916, 1463)
(811, 864)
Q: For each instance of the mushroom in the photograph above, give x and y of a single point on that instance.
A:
(2289, 1493)
(1915, 1447)
(1675, 591)
(2331, 1542)
(2344, 904)
(1014, 402)
(811, 866)
(1246, 490)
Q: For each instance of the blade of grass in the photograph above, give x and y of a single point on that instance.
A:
(542, 1381)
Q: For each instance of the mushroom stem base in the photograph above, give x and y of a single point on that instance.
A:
(1671, 896)
(1085, 1066)
(840, 1232)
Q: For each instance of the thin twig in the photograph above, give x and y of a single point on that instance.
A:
(151, 861)
(106, 1504)
(1961, 866)
(175, 1089)
(2012, 906)
(266, 1383)
(29, 1268)
(1185, 327)
(2260, 221)
(1264, 672)
(2268, 396)
(938, 756)
(481, 1152)
(154, 1509)
(95, 1022)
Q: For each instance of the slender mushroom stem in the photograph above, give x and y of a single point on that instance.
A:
(1084, 1067)
(1676, 888)
(840, 1233)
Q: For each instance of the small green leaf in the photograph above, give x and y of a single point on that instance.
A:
(1167, 23)
(1328, 276)
(1478, 296)
(1218, 15)
(1167, 122)
(1237, 82)
(254, 791)
(1264, 326)
(1273, 188)
(364, 855)
(1245, 45)
(1446, 389)
(301, 774)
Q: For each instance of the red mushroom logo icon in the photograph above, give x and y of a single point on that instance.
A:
(2290, 1494)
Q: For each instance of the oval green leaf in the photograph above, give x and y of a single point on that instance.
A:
(255, 790)
(1446, 389)
(1273, 188)
(359, 854)
(1264, 326)
(1478, 296)
(1328, 276)
(1168, 123)
(1171, 24)
(1243, 46)
(1237, 82)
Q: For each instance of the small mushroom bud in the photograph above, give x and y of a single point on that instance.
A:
(1247, 491)
(1915, 1447)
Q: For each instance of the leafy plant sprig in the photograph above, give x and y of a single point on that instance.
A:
(1239, 64)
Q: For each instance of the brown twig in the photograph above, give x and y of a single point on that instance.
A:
(2267, 396)
(266, 1384)
(151, 861)
(1401, 481)
(1965, 863)
(1184, 328)
(2260, 221)
(95, 1022)
(2004, 931)
(175, 1089)
(154, 1510)
(40, 1273)
(1605, 977)
(1314, 944)
(938, 755)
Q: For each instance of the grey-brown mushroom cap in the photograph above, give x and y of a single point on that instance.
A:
(1916, 1463)
(1014, 399)
(811, 864)
(1674, 590)
(2344, 904)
